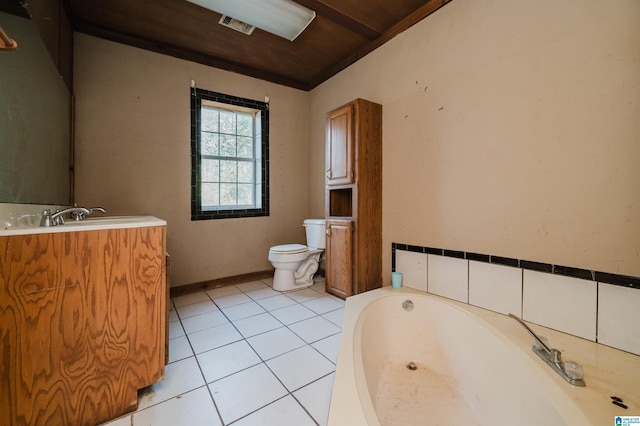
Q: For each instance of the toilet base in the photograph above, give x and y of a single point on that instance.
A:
(284, 280)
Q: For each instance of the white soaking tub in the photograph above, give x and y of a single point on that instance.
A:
(472, 367)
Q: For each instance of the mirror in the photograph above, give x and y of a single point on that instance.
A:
(35, 120)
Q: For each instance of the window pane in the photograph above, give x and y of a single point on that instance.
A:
(210, 194)
(209, 145)
(245, 172)
(245, 147)
(227, 122)
(210, 170)
(245, 125)
(227, 146)
(209, 119)
(245, 194)
(228, 171)
(228, 194)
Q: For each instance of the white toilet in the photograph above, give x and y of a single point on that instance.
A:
(295, 264)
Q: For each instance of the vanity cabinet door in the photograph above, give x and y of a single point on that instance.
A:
(339, 273)
(82, 324)
(340, 146)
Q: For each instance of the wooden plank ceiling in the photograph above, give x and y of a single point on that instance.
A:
(342, 32)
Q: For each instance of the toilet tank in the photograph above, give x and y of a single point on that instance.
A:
(315, 233)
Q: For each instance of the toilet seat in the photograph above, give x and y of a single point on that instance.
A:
(289, 249)
(288, 253)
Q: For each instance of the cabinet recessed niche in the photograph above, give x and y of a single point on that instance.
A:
(340, 202)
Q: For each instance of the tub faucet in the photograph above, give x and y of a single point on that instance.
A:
(568, 370)
(54, 219)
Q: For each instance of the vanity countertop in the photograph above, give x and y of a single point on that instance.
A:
(90, 224)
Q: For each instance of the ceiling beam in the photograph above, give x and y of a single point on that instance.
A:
(136, 40)
(412, 19)
(340, 19)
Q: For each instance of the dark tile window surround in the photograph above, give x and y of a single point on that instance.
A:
(585, 274)
(196, 213)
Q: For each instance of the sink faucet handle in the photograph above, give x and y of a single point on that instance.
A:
(81, 214)
(57, 217)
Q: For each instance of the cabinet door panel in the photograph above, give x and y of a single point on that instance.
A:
(340, 146)
(82, 319)
(339, 258)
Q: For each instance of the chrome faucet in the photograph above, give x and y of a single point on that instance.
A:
(79, 215)
(55, 219)
(568, 370)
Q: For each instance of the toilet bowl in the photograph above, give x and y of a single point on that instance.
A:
(295, 264)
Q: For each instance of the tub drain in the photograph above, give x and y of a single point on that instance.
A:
(407, 305)
(412, 366)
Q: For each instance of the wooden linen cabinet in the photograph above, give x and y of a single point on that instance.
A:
(353, 198)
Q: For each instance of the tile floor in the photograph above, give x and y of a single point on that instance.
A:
(246, 355)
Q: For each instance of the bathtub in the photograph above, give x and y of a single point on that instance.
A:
(469, 366)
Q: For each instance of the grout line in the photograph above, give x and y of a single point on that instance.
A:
(257, 409)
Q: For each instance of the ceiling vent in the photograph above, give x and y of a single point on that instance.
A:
(237, 25)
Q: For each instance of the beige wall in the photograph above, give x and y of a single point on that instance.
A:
(510, 128)
(133, 155)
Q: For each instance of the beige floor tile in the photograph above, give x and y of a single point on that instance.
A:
(285, 411)
(257, 324)
(275, 342)
(316, 398)
(193, 408)
(313, 329)
(227, 360)
(179, 377)
(244, 392)
(213, 337)
(300, 367)
(293, 313)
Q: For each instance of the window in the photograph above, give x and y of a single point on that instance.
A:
(229, 153)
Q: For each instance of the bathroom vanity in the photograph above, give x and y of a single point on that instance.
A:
(83, 316)
(353, 199)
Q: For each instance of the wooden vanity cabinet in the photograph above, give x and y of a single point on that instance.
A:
(353, 193)
(82, 324)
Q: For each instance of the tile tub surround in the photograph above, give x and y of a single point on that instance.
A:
(246, 355)
(594, 305)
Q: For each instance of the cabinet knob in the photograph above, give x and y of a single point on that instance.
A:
(328, 232)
